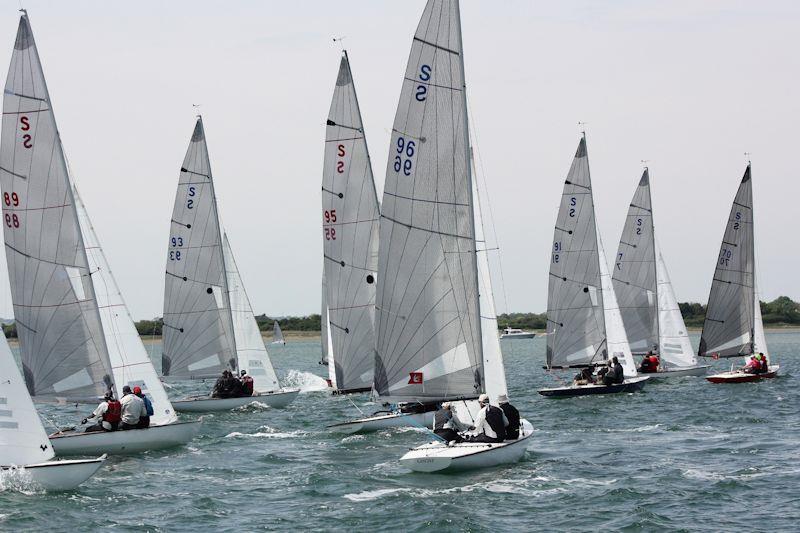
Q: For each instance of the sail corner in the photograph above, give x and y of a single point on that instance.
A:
(24, 34)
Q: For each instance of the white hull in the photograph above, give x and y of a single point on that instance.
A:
(391, 420)
(518, 335)
(205, 404)
(124, 442)
(61, 475)
(437, 456)
(677, 372)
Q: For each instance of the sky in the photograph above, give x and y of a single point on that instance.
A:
(687, 86)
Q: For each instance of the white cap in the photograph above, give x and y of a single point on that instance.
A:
(445, 405)
(483, 398)
(502, 399)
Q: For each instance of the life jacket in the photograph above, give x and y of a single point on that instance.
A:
(494, 417)
(114, 412)
(764, 365)
(247, 384)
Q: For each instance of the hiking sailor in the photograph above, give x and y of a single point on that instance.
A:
(447, 425)
(107, 414)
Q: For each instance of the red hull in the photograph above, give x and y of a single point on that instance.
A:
(740, 377)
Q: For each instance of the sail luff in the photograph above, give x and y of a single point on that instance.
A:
(729, 322)
(64, 354)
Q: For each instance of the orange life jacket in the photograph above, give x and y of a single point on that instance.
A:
(114, 412)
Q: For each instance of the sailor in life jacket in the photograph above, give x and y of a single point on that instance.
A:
(490, 424)
(247, 384)
(108, 414)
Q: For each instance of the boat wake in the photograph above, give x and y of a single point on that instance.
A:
(305, 381)
(18, 480)
(266, 432)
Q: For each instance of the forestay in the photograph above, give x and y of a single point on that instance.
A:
(576, 333)
(675, 347)
(634, 277)
(198, 332)
(251, 353)
(350, 239)
(729, 322)
(429, 343)
(22, 436)
(62, 346)
(130, 362)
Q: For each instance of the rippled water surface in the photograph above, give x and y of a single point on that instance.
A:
(684, 455)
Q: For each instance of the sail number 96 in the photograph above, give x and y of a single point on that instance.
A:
(406, 150)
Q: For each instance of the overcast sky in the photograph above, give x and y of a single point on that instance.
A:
(690, 86)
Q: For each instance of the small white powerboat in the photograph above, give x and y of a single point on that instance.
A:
(439, 456)
(124, 442)
(205, 404)
(514, 333)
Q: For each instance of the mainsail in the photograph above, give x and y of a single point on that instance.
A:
(635, 278)
(576, 331)
(251, 354)
(730, 315)
(277, 334)
(63, 348)
(130, 362)
(350, 240)
(198, 329)
(429, 344)
(22, 436)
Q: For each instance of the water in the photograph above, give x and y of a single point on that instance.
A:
(684, 455)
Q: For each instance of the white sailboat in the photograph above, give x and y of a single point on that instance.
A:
(350, 243)
(733, 325)
(209, 324)
(23, 442)
(437, 337)
(652, 318)
(77, 338)
(584, 323)
(277, 334)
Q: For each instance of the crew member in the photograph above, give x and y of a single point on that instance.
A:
(512, 415)
(144, 421)
(490, 424)
(247, 384)
(132, 409)
(107, 414)
(615, 373)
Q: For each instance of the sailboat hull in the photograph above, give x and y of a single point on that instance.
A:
(737, 376)
(629, 385)
(60, 475)
(204, 404)
(124, 442)
(438, 457)
(678, 372)
(384, 421)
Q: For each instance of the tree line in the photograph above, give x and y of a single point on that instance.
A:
(782, 311)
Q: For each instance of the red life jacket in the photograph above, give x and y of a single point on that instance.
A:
(247, 384)
(654, 362)
(114, 412)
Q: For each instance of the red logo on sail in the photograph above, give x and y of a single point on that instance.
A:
(415, 378)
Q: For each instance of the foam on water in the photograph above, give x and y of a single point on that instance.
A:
(305, 381)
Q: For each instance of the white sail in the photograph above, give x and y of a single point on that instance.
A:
(350, 238)
(675, 347)
(429, 344)
(730, 317)
(251, 353)
(277, 334)
(576, 330)
(130, 362)
(61, 341)
(22, 436)
(198, 332)
(616, 338)
(760, 340)
(495, 373)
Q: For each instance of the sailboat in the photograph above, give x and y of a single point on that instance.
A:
(437, 337)
(584, 323)
(277, 334)
(733, 325)
(23, 441)
(77, 338)
(652, 318)
(350, 243)
(209, 324)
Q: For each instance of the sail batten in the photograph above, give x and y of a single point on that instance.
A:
(427, 302)
(728, 330)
